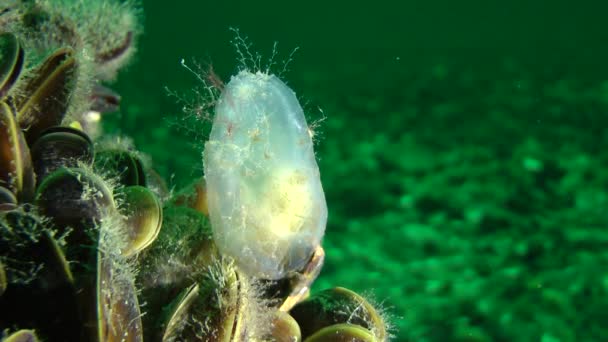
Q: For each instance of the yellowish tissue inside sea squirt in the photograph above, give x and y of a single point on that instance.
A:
(265, 199)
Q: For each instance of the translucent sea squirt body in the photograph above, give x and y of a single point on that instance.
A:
(266, 203)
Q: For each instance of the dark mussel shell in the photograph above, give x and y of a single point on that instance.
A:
(107, 298)
(39, 285)
(49, 25)
(342, 333)
(118, 307)
(16, 172)
(8, 201)
(75, 198)
(292, 289)
(337, 306)
(30, 251)
(46, 96)
(11, 62)
(183, 251)
(58, 147)
(104, 99)
(219, 299)
(122, 164)
(116, 52)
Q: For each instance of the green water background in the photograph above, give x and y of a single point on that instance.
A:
(463, 150)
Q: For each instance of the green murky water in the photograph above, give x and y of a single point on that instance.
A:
(462, 149)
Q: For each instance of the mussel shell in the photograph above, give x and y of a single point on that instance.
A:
(123, 164)
(106, 288)
(119, 314)
(342, 333)
(301, 281)
(73, 197)
(221, 303)
(20, 232)
(56, 271)
(193, 196)
(46, 97)
(294, 288)
(39, 291)
(22, 336)
(143, 218)
(16, 172)
(49, 25)
(116, 52)
(60, 146)
(104, 99)
(8, 201)
(11, 62)
(3, 280)
(180, 312)
(184, 246)
(34, 255)
(285, 328)
(110, 58)
(336, 306)
(182, 251)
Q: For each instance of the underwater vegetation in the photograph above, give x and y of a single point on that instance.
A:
(93, 244)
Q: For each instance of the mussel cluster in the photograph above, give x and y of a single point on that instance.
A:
(93, 247)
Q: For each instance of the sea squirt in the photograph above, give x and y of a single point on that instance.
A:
(266, 202)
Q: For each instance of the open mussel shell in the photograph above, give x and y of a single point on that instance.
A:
(143, 218)
(183, 250)
(342, 333)
(45, 98)
(22, 336)
(300, 282)
(284, 328)
(60, 147)
(337, 306)
(122, 164)
(16, 172)
(294, 288)
(76, 198)
(214, 310)
(118, 307)
(11, 61)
